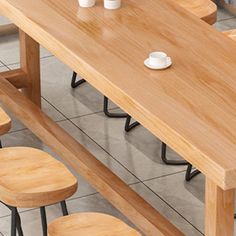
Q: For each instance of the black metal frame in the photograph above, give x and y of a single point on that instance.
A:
(16, 221)
(191, 174)
(75, 84)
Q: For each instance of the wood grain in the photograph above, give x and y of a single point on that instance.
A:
(30, 65)
(219, 210)
(75, 155)
(5, 122)
(231, 34)
(190, 106)
(8, 29)
(204, 9)
(16, 77)
(32, 178)
(90, 223)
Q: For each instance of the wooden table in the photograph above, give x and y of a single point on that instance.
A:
(191, 106)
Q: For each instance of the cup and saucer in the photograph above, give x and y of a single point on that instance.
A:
(158, 61)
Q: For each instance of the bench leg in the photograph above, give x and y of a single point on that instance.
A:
(219, 210)
(30, 64)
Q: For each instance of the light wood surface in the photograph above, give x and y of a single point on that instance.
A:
(231, 34)
(142, 214)
(30, 65)
(173, 104)
(32, 178)
(8, 29)
(5, 122)
(90, 224)
(16, 77)
(204, 9)
(219, 213)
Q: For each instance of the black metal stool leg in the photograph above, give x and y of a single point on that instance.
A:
(109, 114)
(18, 224)
(13, 221)
(75, 83)
(64, 208)
(43, 220)
(189, 174)
(129, 126)
(170, 162)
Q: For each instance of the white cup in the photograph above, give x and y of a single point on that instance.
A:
(87, 3)
(158, 59)
(112, 4)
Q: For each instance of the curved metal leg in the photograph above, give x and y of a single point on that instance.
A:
(13, 221)
(64, 208)
(75, 83)
(18, 224)
(189, 174)
(43, 220)
(170, 162)
(129, 126)
(109, 114)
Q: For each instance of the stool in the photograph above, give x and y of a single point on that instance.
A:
(31, 178)
(90, 224)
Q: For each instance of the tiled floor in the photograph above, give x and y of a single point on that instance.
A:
(134, 156)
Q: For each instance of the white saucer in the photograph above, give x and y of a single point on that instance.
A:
(158, 67)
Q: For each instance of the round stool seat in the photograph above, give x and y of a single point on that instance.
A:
(32, 178)
(5, 122)
(203, 9)
(231, 34)
(90, 224)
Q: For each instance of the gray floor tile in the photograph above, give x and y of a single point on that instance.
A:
(223, 14)
(226, 24)
(139, 151)
(9, 49)
(3, 20)
(3, 68)
(56, 79)
(46, 107)
(186, 198)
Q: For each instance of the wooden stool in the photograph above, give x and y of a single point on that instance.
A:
(90, 224)
(5, 122)
(32, 178)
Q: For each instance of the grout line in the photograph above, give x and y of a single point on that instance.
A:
(168, 204)
(140, 181)
(18, 63)
(67, 200)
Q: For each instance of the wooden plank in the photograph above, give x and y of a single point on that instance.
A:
(8, 29)
(30, 64)
(16, 77)
(190, 106)
(219, 210)
(74, 154)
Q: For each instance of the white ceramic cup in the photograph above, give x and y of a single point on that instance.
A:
(87, 3)
(158, 59)
(112, 4)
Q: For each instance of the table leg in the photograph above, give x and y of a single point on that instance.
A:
(219, 210)
(30, 64)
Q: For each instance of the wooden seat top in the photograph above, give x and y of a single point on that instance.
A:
(231, 34)
(90, 224)
(190, 106)
(204, 9)
(5, 122)
(32, 178)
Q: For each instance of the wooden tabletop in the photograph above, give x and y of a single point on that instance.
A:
(190, 106)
